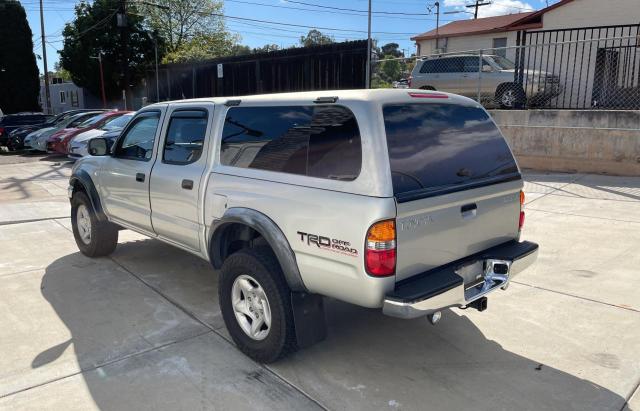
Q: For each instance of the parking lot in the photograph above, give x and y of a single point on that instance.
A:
(142, 329)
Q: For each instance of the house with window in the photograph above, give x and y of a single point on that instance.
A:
(501, 31)
(591, 47)
(65, 95)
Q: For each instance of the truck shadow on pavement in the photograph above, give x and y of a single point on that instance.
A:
(113, 312)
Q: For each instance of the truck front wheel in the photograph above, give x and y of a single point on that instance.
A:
(256, 305)
(94, 238)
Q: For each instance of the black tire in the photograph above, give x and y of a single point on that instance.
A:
(430, 88)
(103, 237)
(516, 93)
(262, 265)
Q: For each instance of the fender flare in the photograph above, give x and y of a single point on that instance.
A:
(84, 179)
(271, 233)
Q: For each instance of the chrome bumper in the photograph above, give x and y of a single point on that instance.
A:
(444, 287)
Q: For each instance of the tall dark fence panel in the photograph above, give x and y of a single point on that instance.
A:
(594, 67)
(328, 67)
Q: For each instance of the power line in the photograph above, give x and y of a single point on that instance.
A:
(305, 26)
(359, 11)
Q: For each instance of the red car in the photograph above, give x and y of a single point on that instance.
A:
(59, 142)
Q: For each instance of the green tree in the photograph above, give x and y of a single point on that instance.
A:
(391, 49)
(266, 48)
(315, 38)
(191, 29)
(19, 80)
(95, 31)
(60, 72)
(391, 69)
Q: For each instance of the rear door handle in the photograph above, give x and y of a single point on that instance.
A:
(140, 177)
(187, 184)
(469, 210)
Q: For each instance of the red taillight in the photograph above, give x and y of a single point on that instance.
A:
(1, 131)
(380, 251)
(521, 221)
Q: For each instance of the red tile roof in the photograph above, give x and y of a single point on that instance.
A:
(507, 22)
(477, 26)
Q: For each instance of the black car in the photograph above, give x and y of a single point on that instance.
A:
(16, 137)
(12, 122)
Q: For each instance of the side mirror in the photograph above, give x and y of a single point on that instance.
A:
(98, 147)
(487, 68)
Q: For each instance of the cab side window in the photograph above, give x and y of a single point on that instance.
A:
(137, 141)
(315, 141)
(185, 136)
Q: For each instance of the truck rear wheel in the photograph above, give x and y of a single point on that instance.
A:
(256, 305)
(94, 238)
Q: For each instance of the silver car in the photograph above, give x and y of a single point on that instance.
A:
(402, 200)
(496, 79)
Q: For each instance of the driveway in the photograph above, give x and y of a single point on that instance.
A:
(141, 329)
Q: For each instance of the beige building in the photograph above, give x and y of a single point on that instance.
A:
(501, 31)
(592, 47)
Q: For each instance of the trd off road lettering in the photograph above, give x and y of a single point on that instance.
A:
(326, 242)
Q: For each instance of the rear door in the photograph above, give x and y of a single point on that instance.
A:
(455, 181)
(449, 71)
(176, 188)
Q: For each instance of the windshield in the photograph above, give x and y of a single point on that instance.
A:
(92, 121)
(116, 123)
(79, 119)
(436, 146)
(504, 63)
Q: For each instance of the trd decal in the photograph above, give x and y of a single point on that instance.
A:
(332, 244)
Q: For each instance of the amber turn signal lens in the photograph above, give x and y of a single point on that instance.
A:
(382, 231)
(521, 197)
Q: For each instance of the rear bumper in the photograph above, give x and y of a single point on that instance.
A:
(445, 287)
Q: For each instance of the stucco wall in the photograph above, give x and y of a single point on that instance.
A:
(588, 13)
(579, 13)
(587, 141)
(467, 43)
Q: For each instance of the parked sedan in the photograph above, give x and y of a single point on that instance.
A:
(80, 149)
(11, 122)
(18, 136)
(59, 142)
(38, 140)
(78, 146)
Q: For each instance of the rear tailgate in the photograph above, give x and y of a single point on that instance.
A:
(456, 184)
(435, 231)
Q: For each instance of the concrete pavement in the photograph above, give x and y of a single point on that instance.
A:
(142, 328)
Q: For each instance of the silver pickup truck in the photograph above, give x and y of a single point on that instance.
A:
(409, 201)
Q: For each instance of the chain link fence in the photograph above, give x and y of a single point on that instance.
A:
(578, 73)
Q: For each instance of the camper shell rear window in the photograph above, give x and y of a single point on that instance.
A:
(437, 148)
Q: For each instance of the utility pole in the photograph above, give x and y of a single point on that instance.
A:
(104, 96)
(430, 10)
(437, 4)
(368, 69)
(47, 96)
(155, 38)
(478, 4)
(124, 49)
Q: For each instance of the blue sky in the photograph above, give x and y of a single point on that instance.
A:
(396, 28)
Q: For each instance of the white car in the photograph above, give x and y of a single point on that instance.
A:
(39, 141)
(78, 146)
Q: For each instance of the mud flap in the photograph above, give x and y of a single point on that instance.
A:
(308, 315)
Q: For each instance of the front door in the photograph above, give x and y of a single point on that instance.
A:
(176, 189)
(125, 176)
